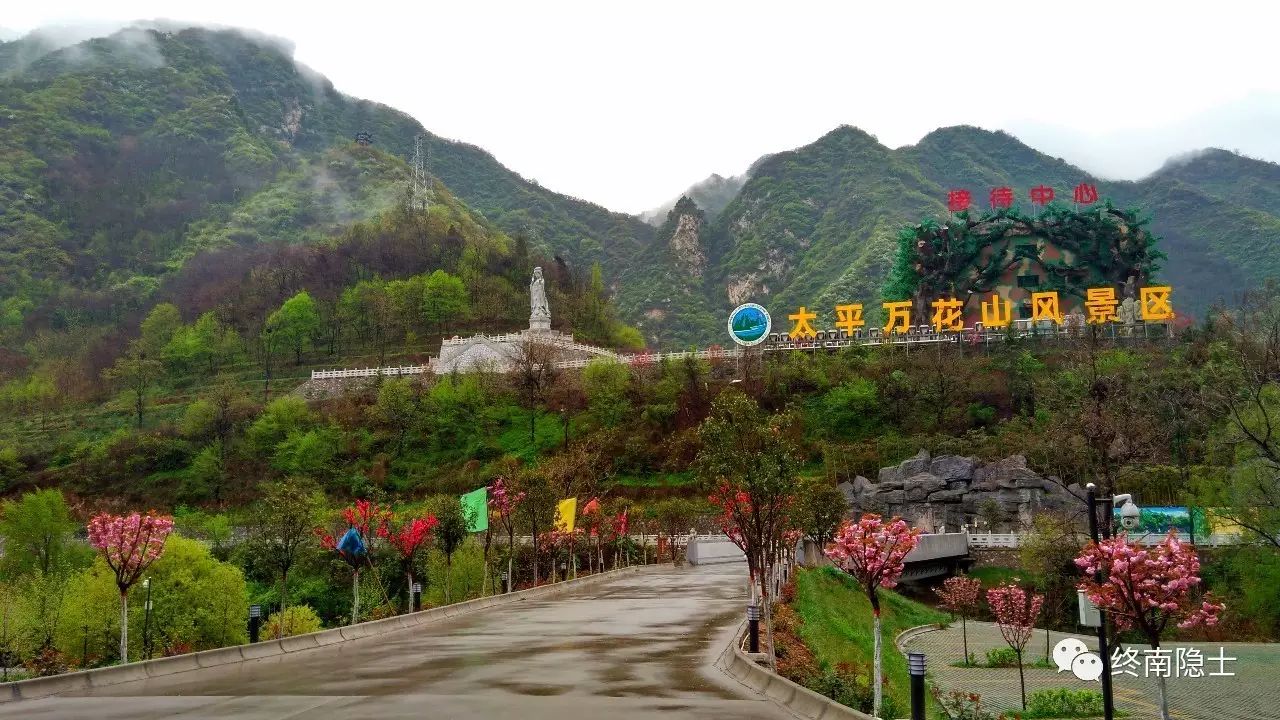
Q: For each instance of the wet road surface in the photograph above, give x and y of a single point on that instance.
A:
(641, 645)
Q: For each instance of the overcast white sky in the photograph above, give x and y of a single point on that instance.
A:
(627, 103)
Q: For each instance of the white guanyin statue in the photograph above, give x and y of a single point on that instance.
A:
(539, 311)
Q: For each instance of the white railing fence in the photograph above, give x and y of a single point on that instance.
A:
(1015, 540)
(371, 372)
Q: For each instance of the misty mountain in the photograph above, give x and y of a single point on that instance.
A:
(711, 195)
(122, 158)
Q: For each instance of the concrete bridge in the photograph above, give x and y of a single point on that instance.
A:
(936, 555)
(640, 643)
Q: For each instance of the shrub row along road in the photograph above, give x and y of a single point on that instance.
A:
(638, 646)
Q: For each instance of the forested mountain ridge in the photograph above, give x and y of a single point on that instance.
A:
(818, 224)
(212, 139)
(206, 170)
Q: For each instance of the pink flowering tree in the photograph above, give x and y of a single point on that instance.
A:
(407, 540)
(503, 502)
(961, 595)
(1016, 611)
(873, 552)
(129, 544)
(1147, 589)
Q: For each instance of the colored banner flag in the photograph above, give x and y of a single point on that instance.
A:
(566, 514)
(475, 507)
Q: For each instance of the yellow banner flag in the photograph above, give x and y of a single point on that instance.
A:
(566, 512)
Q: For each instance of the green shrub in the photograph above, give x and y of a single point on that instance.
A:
(1064, 703)
(1002, 657)
(293, 620)
(846, 686)
(960, 705)
(851, 409)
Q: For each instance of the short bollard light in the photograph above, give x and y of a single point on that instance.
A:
(753, 627)
(417, 597)
(916, 668)
(255, 622)
(505, 578)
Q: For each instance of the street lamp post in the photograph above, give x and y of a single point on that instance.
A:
(146, 621)
(1129, 517)
(255, 622)
(916, 668)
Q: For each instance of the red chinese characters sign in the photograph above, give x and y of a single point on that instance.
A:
(960, 199)
(1085, 194)
(1001, 197)
(1041, 195)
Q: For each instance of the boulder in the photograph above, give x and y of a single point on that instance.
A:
(947, 496)
(953, 467)
(850, 493)
(915, 466)
(918, 487)
(891, 497)
(955, 489)
(854, 491)
(1005, 475)
(889, 475)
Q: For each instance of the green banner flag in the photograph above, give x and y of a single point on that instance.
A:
(475, 506)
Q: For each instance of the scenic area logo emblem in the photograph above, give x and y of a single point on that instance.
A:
(749, 324)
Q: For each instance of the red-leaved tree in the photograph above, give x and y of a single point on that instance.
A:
(874, 553)
(503, 501)
(129, 544)
(961, 595)
(407, 540)
(619, 526)
(1147, 588)
(364, 517)
(1016, 611)
(592, 521)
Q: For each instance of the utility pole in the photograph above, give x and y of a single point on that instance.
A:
(420, 186)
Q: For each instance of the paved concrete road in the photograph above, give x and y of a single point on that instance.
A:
(638, 646)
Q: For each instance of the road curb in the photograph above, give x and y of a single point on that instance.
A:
(100, 677)
(911, 633)
(796, 699)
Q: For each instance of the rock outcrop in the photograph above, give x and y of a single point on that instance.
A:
(955, 491)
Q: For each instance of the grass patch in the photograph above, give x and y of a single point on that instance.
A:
(549, 434)
(837, 626)
(993, 576)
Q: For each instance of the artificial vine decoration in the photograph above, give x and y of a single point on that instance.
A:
(966, 255)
